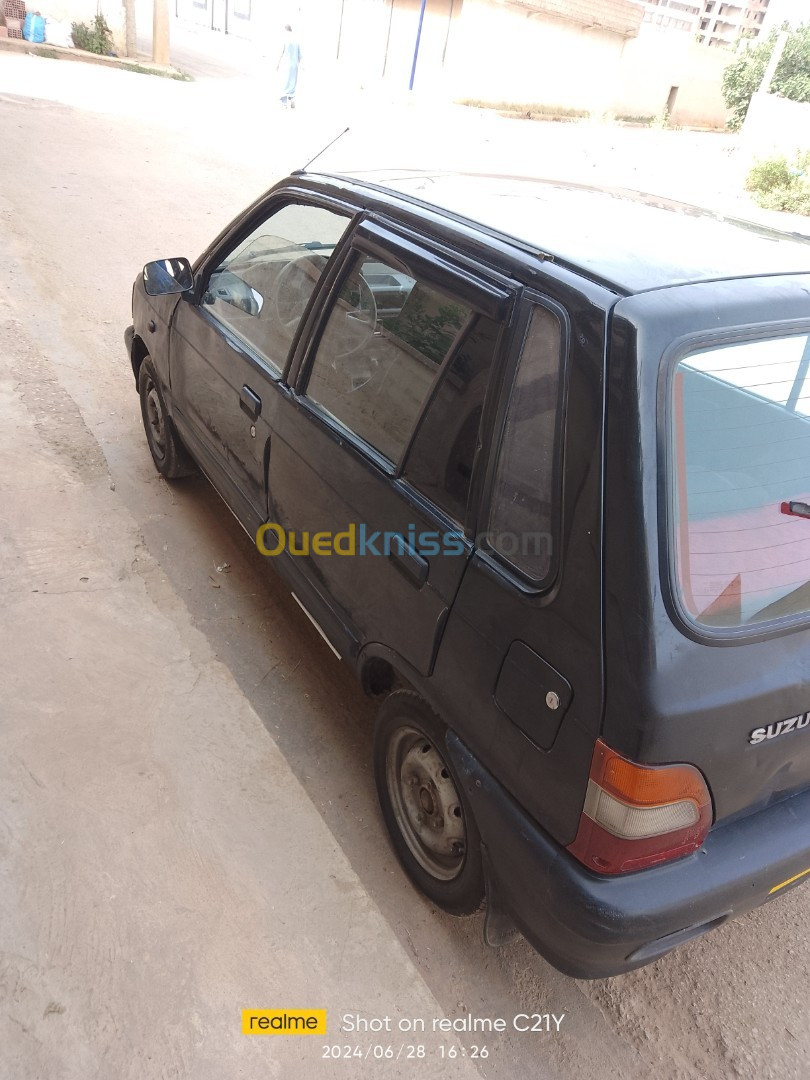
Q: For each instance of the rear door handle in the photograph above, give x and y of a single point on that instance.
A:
(413, 565)
(250, 403)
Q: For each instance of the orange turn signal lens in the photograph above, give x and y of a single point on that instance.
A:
(645, 785)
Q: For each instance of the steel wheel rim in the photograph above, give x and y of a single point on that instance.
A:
(426, 805)
(156, 425)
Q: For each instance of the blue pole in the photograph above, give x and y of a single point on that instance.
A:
(418, 39)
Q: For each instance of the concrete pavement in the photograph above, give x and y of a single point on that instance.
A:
(162, 868)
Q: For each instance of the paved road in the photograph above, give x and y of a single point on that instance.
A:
(201, 52)
(187, 817)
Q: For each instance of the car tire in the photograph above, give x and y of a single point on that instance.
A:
(426, 811)
(168, 453)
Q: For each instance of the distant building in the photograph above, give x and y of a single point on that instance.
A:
(677, 15)
(723, 24)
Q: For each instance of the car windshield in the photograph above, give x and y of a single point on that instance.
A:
(740, 422)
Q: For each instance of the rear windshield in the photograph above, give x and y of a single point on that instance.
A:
(740, 423)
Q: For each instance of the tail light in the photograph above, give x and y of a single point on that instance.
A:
(639, 815)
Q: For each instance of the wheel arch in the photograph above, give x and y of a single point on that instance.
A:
(137, 355)
(381, 671)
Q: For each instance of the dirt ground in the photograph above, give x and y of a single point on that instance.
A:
(188, 825)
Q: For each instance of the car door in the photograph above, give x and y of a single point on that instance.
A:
(375, 452)
(229, 347)
(520, 664)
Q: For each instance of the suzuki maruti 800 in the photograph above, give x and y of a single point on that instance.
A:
(535, 459)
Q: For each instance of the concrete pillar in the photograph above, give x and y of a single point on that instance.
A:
(160, 32)
(129, 27)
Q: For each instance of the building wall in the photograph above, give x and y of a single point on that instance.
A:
(358, 41)
(509, 53)
(500, 52)
(248, 19)
(365, 41)
(657, 62)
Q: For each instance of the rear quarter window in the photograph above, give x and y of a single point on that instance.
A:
(525, 490)
(740, 482)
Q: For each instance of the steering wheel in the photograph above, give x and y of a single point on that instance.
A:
(353, 318)
(351, 325)
(293, 288)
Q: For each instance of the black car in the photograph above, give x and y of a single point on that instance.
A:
(535, 460)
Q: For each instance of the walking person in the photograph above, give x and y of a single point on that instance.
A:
(287, 68)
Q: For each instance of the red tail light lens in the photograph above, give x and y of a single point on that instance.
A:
(639, 815)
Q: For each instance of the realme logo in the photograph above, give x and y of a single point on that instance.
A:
(283, 1021)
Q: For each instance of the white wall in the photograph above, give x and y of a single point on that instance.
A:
(506, 53)
(656, 61)
(503, 53)
(71, 11)
(776, 126)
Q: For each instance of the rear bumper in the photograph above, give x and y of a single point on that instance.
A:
(592, 927)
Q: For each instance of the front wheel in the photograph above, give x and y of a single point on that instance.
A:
(168, 453)
(424, 806)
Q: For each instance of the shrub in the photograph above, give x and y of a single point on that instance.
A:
(527, 110)
(778, 184)
(631, 118)
(791, 200)
(767, 175)
(96, 38)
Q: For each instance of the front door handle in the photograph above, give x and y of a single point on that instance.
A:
(413, 565)
(250, 403)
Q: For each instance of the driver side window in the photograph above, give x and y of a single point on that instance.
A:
(386, 337)
(261, 289)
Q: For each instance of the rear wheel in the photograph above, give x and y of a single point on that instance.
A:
(424, 806)
(168, 453)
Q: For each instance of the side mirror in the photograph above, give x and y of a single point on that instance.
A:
(166, 276)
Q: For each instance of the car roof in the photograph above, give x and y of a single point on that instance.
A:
(628, 240)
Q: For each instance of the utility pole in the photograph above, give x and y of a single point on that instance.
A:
(765, 86)
(160, 32)
(129, 27)
(773, 63)
(418, 40)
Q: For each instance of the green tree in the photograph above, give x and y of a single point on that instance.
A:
(792, 78)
